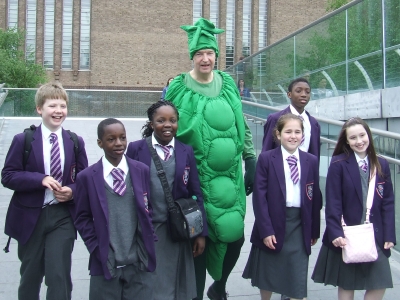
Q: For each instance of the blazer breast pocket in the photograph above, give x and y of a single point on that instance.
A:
(310, 190)
(185, 176)
(73, 172)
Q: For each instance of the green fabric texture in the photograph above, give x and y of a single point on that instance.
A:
(201, 36)
(214, 127)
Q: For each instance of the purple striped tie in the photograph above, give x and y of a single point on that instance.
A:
(55, 159)
(303, 138)
(294, 171)
(166, 150)
(119, 185)
(363, 165)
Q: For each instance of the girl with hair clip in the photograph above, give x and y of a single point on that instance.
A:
(353, 162)
(174, 277)
(286, 204)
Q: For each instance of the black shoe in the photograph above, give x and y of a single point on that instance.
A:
(284, 297)
(212, 294)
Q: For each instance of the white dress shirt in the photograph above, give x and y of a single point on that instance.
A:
(107, 168)
(160, 152)
(49, 195)
(292, 190)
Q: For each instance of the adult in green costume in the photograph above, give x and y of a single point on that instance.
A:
(211, 121)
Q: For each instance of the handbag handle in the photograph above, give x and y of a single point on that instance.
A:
(161, 175)
(370, 197)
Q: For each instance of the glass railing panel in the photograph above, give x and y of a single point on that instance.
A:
(393, 66)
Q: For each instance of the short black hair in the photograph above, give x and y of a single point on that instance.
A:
(104, 123)
(297, 80)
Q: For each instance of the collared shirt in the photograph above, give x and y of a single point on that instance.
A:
(107, 168)
(358, 159)
(293, 198)
(160, 152)
(48, 195)
(307, 128)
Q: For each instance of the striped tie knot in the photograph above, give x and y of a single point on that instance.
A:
(363, 165)
(55, 159)
(294, 170)
(166, 150)
(119, 185)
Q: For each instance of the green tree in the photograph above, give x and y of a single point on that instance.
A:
(15, 69)
(335, 4)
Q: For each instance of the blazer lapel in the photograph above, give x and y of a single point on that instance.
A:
(279, 170)
(68, 155)
(136, 178)
(180, 164)
(354, 173)
(304, 174)
(37, 149)
(98, 182)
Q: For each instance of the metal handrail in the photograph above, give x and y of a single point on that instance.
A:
(384, 133)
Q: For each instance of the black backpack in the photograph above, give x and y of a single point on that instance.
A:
(27, 150)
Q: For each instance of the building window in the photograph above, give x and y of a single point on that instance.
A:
(30, 45)
(12, 13)
(84, 58)
(67, 34)
(246, 51)
(197, 10)
(262, 25)
(230, 32)
(214, 17)
(48, 56)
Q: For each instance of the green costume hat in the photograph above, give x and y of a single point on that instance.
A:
(201, 36)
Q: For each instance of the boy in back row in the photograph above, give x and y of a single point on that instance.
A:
(40, 214)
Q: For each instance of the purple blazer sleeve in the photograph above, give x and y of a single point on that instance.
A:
(13, 175)
(81, 162)
(387, 208)
(268, 139)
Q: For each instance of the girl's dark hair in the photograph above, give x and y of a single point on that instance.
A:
(104, 123)
(282, 121)
(342, 145)
(297, 80)
(244, 83)
(146, 129)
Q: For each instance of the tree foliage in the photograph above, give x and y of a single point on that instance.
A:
(15, 69)
(335, 4)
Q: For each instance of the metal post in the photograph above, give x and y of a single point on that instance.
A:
(383, 46)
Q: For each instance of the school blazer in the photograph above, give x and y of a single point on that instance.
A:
(26, 202)
(269, 199)
(92, 214)
(186, 181)
(269, 141)
(344, 196)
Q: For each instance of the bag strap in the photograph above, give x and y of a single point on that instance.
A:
(161, 175)
(370, 197)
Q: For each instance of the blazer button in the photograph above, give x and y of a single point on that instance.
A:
(376, 229)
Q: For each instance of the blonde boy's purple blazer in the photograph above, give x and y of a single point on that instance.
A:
(27, 200)
(269, 199)
(344, 196)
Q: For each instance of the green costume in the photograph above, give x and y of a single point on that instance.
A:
(215, 128)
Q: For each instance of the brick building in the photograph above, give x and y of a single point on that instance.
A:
(131, 44)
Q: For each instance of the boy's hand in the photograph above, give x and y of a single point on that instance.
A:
(51, 183)
(63, 194)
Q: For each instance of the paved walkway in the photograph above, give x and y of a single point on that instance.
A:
(238, 288)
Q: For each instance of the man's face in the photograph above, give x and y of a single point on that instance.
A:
(204, 61)
(300, 95)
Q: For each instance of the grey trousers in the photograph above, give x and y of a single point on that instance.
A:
(48, 253)
(129, 284)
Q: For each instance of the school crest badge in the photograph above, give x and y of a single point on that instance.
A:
(73, 173)
(186, 175)
(380, 189)
(310, 190)
(146, 202)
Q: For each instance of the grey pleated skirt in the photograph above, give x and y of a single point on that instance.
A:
(284, 272)
(330, 269)
(174, 277)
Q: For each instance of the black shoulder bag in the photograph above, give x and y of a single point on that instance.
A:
(185, 220)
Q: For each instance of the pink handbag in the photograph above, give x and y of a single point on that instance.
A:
(360, 239)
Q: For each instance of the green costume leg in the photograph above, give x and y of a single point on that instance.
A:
(230, 259)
